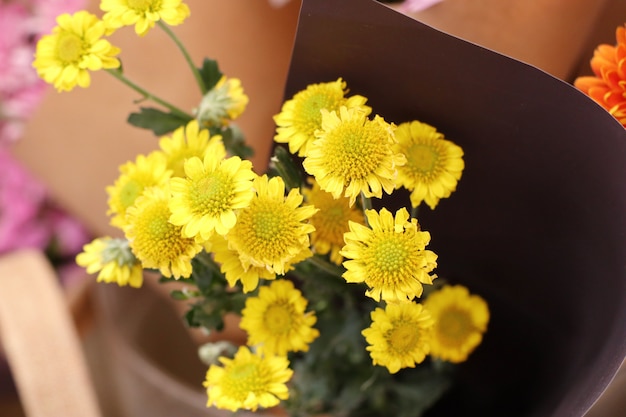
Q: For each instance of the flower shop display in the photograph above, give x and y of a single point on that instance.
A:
(428, 237)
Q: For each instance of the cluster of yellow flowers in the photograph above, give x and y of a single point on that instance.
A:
(349, 155)
(191, 199)
(78, 45)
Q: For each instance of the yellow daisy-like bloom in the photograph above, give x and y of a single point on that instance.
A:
(142, 13)
(75, 47)
(206, 200)
(248, 381)
(354, 155)
(154, 240)
(389, 256)
(434, 165)
(188, 141)
(330, 222)
(276, 320)
(113, 260)
(135, 177)
(233, 269)
(399, 336)
(272, 232)
(301, 116)
(223, 103)
(460, 321)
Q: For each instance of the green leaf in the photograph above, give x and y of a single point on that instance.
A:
(156, 120)
(203, 314)
(178, 295)
(235, 142)
(184, 294)
(283, 164)
(210, 73)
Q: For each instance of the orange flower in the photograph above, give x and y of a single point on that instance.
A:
(608, 86)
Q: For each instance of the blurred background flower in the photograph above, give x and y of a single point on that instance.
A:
(608, 84)
(28, 216)
(21, 25)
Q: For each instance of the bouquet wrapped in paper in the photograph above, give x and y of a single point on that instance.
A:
(439, 231)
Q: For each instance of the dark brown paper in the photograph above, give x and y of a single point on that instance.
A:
(538, 224)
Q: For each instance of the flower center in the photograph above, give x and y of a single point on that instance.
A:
(141, 5)
(267, 225)
(390, 255)
(242, 379)
(403, 337)
(454, 326)
(277, 319)
(212, 194)
(156, 238)
(357, 149)
(308, 111)
(425, 159)
(332, 222)
(158, 227)
(69, 47)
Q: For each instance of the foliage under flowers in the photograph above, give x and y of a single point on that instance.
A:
(328, 288)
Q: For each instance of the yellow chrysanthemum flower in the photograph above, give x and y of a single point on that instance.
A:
(389, 256)
(156, 242)
(272, 232)
(188, 141)
(354, 155)
(330, 222)
(233, 269)
(248, 381)
(399, 336)
(74, 48)
(276, 320)
(434, 165)
(460, 321)
(142, 13)
(135, 177)
(301, 116)
(225, 102)
(113, 260)
(207, 199)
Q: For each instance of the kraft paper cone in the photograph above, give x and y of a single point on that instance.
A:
(538, 223)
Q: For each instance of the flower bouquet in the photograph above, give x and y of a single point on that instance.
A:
(357, 300)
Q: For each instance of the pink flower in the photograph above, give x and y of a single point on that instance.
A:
(413, 6)
(46, 12)
(278, 3)
(21, 198)
(21, 89)
(68, 234)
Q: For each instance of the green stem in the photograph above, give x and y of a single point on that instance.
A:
(366, 202)
(148, 96)
(415, 211)
(207, 260)
(185, 53)
(325, 266)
